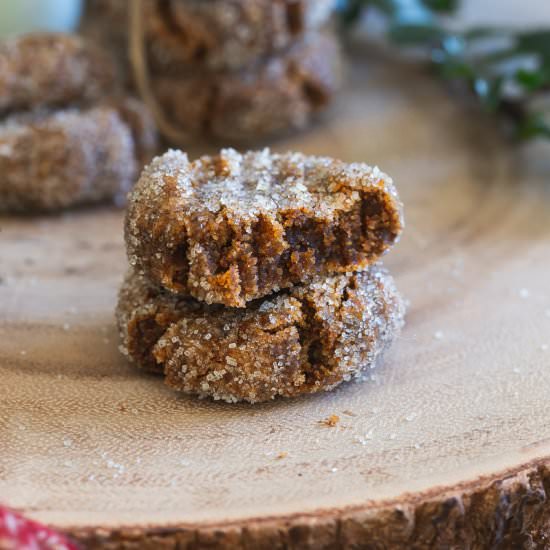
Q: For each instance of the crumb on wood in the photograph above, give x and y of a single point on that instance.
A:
(331, 421)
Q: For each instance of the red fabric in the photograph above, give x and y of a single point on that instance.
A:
(18, 533)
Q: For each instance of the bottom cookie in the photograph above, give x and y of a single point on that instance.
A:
(307, 339)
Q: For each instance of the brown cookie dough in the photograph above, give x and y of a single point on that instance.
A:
(282, 93)
(232, 228)
(51, 161)
(212, 35)
(51, 70)
(304, 340)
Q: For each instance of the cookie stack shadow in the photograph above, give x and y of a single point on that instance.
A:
(255, 275)
(229, 71)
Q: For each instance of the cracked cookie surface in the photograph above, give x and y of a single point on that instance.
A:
(308, 339)
(232, 228)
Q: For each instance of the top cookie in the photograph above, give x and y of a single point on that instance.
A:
(232, 228)
(49, 69)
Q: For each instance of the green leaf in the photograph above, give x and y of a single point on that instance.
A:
(492, 98)
(415, 35)
(484, 69)
(389, 7)
(533, 80)
(537, 42)
(441, 6)
(480, 33)
(457, 69)
(534, 126)
(499, 56)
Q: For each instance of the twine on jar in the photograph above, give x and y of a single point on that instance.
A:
(138, 59)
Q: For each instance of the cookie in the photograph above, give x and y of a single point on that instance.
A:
(50, 161)
(229, 34)
(233, 228)
(304, 340)
(282, 93)
(214, 35)
(50, 70)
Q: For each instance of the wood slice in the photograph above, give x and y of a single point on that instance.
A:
(448, 443)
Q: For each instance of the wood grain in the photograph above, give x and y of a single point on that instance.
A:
(447, 444)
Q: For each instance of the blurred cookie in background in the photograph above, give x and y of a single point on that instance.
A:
(224, 71)
(281, 94)
(215, 35)
(52, 69)
(68, 134)
(66, 158)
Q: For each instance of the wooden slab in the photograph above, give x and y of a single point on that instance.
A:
(460, 403)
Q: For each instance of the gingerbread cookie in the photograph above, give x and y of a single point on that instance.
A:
(233, 228)
(305, 340)
(213, 35)
(228, 34)
(284, 92)
(49, 161)
(51, 70)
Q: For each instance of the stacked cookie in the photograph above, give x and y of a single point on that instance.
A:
(254, 276)
(66, 136)
(231, 70)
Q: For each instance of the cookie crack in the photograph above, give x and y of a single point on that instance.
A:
(314, 349)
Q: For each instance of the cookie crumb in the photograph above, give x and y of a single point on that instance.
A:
(281, 455)
(331, 421)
